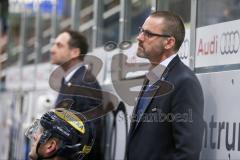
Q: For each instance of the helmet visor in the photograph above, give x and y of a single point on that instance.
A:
(34, 130)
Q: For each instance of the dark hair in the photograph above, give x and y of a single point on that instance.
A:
(173, 26)
(77, 40)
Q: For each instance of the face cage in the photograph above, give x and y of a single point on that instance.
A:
(34, 130)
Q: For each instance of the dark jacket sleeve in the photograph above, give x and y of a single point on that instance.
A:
(187, 128)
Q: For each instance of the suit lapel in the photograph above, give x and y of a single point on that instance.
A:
(135, 124)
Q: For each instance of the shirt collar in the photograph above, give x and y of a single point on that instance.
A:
(168, 60)
(156, 73)
(71, 71)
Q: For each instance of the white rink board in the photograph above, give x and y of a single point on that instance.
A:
(28, 81)
(218, 44)
(221, 113)
(5, 123)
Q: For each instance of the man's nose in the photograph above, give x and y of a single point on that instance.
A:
(140, 37)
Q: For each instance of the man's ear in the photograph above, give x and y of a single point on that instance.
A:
(51, 146)
(170, 43)
(76, 52)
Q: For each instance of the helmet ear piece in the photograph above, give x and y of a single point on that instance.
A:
(45, 136)
(66, 149)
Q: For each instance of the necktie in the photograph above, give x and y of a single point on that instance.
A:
(143, 101)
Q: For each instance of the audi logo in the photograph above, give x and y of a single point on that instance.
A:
(184, 50)
(229, 42)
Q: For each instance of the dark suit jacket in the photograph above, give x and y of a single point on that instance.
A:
(164, 137)
(83, 101)
(85, 98)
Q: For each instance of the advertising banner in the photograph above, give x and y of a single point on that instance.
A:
(218, 44)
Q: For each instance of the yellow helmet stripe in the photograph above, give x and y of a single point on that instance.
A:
(72, 119)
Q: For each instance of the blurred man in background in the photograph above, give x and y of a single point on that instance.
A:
(68, 51)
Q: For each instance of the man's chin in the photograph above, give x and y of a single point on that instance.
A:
(32, 156)
(141, 54)
(56, 63)
(53, 62)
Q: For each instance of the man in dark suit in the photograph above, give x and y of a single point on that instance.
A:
(166, 126)
(68, 52)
